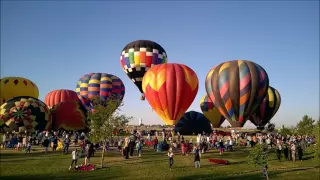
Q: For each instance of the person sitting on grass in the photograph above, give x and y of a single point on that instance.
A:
(74, 158)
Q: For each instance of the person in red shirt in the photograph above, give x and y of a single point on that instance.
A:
(155, 143)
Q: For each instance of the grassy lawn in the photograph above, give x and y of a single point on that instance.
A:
(152, 165)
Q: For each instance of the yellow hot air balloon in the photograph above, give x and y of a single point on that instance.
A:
(11, 87)
(211, 112)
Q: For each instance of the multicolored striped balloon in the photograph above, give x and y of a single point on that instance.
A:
(237, 88)
(211, 112)
(267, 109)
(170, 89)
(101, 85)
(138, 57)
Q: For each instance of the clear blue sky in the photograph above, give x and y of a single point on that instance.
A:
(55, 43)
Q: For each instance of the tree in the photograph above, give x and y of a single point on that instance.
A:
(305, 126)
(258, 156)
(104, 120)
(284, 131)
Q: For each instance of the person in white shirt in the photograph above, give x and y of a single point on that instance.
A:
(170, 155)
(74, 158)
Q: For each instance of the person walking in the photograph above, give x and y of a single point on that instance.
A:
(197, 156)
(170, 155)
(74, 158)
(45, 144)
(66, 143)
(139, 147)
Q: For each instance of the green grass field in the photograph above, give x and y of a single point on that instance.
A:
(152, 165)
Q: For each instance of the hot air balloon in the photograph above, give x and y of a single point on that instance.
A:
(267, 109)
(69, 115)
(11, 87)
(139, 56)
(25, 113)
(193, 122)
(60, 95)
(170, 89)
(237, 88)
(211, 112)
(99, 85)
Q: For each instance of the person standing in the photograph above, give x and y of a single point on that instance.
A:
(279, 149)
(221, 146)
(139, 147)
(197, 156)
(170, 155)
(300, 152)
(155, 143)
(66, 143)
(5, 140)
(286, 152)
(293, 151)
(74, 158)
(45, 144)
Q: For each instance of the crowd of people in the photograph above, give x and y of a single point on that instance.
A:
(290, 145)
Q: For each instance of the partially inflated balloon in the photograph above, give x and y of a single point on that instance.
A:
(211, 112)
(237, 88)
(99, 85)
(139, 56)
(69, 115)
(11, 87)
(193, 122)
(60, 95)
(24, 112)
(170, 89)
(267, 109)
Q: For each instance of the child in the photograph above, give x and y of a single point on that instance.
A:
(29, 147)
(74, 158)
(197, 156)
(170, 155)
(139, 147)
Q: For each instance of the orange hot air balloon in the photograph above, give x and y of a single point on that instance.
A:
(170, 89)
(60, 95)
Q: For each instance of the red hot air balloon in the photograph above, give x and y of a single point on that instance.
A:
(237, 88)
(60, 95)
(69, 115)
(170, 89)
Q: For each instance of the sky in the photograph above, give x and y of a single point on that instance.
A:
(55, 43)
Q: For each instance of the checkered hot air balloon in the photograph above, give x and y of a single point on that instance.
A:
(69, 115)
(267, 109)
(11, 87)
(211, 112)
(61, 95)
(26, 113)
(99, 85)
(170, 89)
(138, 57)
(237, 88)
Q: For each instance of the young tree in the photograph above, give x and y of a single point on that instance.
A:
(305, 126)
(259, 157)
(104, 120)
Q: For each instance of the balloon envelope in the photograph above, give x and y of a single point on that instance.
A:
(25, 112)
(139, 56)
(61, 95)
(211, 112)
(237, 88)
(69, 115)
(11, 87)
(193, 122)
(99, 85)
(170, 89)
(267, 108)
